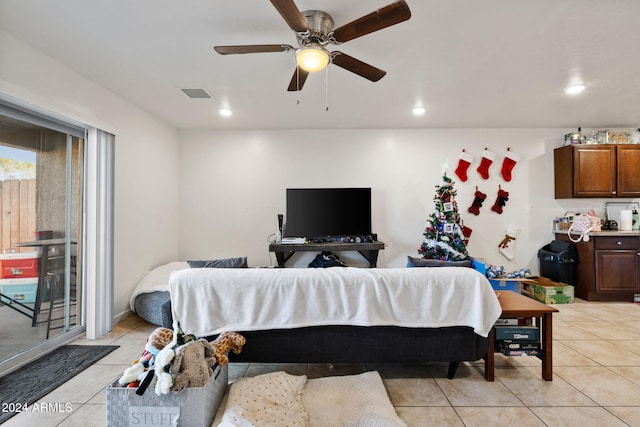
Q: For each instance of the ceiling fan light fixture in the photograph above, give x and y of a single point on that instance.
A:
(312, 58)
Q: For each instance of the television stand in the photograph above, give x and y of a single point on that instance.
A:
(369, 250)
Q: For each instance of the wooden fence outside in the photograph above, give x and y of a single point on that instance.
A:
(18, 217)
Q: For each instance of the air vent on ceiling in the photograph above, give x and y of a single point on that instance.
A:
(196, 93)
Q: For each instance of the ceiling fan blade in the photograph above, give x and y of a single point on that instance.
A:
(253, 48)
(298, 79)
(382, 18)
(291, 14)
(354, 65)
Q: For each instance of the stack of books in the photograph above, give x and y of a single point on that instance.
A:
(517, 337)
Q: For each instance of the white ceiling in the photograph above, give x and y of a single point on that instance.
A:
(471, 63)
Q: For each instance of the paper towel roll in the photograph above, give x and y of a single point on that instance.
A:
(626, 220)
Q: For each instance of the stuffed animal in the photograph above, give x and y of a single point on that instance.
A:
(192, 364)
(227, 341)
(164, 378)
(158, 340)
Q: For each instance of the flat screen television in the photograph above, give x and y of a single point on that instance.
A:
(328, 213)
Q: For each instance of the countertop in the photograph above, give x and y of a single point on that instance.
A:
(607, 233)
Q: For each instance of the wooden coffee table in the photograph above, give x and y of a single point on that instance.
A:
(515, 305)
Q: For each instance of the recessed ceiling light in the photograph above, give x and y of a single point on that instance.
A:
(225, 112)
(418, 111)
(575, 89)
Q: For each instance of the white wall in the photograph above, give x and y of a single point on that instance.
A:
(233, 186)
(146, 175)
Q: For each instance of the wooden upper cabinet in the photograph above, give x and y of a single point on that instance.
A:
(594, 171)
(628, 170)
(597, 171)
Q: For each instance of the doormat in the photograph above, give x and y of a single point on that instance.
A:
(34, 380)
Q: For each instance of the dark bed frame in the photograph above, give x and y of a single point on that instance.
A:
(341, 344)
(363, 344)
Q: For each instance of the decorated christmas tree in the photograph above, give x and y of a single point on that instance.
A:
(443, 237)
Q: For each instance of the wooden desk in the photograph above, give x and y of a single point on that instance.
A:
(516, 305)
(369, 250)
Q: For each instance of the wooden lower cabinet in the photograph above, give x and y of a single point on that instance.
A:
(608, 268)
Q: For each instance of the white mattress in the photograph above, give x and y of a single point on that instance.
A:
(210, 301)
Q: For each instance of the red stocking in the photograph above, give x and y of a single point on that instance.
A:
(487, 158)
(479, 197)
(466, 232)
(463, 165)
(501, 200)
(509, 162)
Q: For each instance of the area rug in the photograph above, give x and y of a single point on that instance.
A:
(28, 384)
(272, 399)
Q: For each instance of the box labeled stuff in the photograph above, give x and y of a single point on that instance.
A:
(19, 264)
(548, 291)
(193, 406)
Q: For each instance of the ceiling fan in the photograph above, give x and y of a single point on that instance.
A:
(314, 31)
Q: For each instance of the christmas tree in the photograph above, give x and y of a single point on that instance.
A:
(444, 238)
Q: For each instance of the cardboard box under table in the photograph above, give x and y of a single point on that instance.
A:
(548, 291)
(193, 406)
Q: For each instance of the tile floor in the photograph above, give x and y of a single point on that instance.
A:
(596, 379)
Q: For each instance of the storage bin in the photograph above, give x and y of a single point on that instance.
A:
(193, 406)
(506, 285)
(19, 264)
(498, 284)
(21, 289)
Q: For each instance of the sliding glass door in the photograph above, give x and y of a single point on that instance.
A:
(41, 188)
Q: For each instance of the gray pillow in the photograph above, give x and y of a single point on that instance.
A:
(237, 262)
(427, 262)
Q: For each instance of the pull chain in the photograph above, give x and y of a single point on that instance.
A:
(298, 85)
(326, 89)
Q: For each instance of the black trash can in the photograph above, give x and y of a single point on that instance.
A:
(558, 261)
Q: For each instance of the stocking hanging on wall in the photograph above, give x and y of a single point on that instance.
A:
(507, 245)
(501, 200)
(485, 163)
(464, 162)
(478, 198)
(509, 162)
